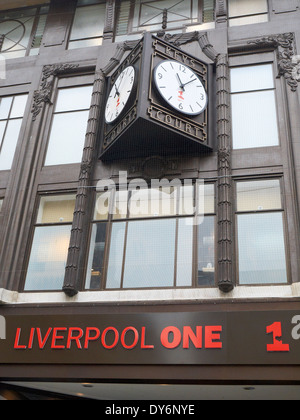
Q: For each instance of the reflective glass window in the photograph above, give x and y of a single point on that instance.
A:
(88, 25)
(49, 250)
(254, 114)
(12, 110)
(69, 126)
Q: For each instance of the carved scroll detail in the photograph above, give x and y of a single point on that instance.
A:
(288, 64)
(43, 95)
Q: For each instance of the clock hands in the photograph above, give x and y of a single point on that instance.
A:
(182, 85)
(180, 82)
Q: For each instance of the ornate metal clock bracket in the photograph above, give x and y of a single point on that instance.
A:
(287, 60)
(72, 277)
(225, 232)
(73, 272)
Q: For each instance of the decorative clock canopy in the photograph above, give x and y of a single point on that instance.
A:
(143, 120)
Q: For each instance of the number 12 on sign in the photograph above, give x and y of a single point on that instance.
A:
(277, 346)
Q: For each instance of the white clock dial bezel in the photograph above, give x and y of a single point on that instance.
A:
(120, 95)
(170, 77)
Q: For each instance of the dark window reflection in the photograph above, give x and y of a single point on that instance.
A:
(97, 255)
(206, 252)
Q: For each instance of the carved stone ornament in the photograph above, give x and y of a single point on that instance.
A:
(288, 65)
(43, 95)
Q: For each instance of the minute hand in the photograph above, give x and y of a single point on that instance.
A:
(191, 81)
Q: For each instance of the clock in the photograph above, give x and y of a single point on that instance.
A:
(180, 87)
(120, 95)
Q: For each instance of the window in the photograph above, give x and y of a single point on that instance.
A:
(261, 239)
(1, 204)
(244, 12)
(88, 24)
(148, 238)
(12, 110)
(69, 125)
(49, 251)
(136, 17)
(254, 115)
(23, 31)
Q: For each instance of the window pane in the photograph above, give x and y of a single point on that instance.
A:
(9, 144)
(209, 198)
(56, 209)
(67, 138)
(206, 252)
(246, 7)
(74, 99)
(120, 208)
(48, 258)
(185, 252)
(249, 78)
(2, 130)
(258, 195)
(262, 257)
(249, 20)
(19, 105)
(92, 42)
(150, 254)
(96, 256)
(254, 120)
(1, 203)
(102, 206)
(149, 14)
(89, 22)
(5, 106)
(153, 202)
(114, 272)
(186, 200)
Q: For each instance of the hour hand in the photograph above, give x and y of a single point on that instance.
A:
(180, 82)
(117, 91)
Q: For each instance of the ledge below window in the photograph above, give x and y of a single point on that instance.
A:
(156, 296)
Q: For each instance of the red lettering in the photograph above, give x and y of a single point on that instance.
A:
(89, 338)
(76, 338)
(136, 338)
(42, 342)
(189, 335)
(103, 338)
(211, 335)
(277, 346)
(30, 343)
(17, 341)
(143, 339)
(165, 337)
(56, 337)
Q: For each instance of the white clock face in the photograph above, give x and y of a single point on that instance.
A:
(119, 95)
(180, 87)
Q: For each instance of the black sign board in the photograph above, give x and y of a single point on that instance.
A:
(196, 338)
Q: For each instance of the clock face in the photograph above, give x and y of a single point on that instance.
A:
(119, 95)
(180, 87)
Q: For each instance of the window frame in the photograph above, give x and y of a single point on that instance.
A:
(34, 226)
(36, 19)
(181, 27)
(282, 211)
(110, 221)
(234, 18)
(244, 60)
(8, 120)
(70, 41)
(63, 82)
